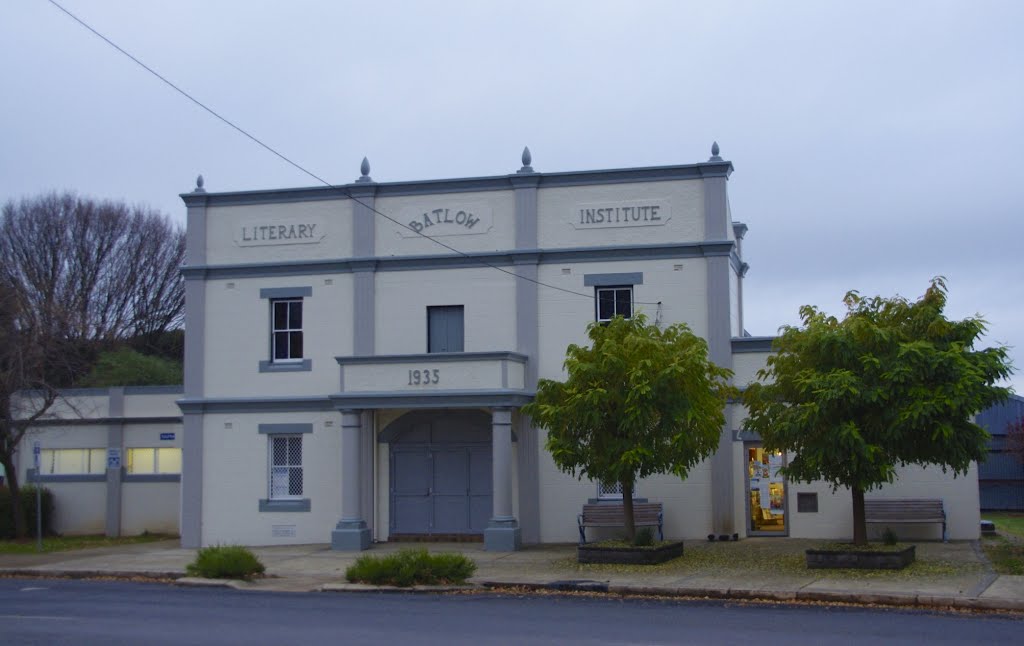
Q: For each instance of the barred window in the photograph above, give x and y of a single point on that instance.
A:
(611, 490)
(285, 467)
(287, 330)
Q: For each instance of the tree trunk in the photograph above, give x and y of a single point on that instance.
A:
(860, 528)
(15, 489)
(627, 506)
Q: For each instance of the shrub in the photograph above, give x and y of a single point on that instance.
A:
(889, 537)
(28, 510)
(411, 567)
(644, 537)
(225, 562)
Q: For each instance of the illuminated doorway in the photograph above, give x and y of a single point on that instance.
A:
(766, 493)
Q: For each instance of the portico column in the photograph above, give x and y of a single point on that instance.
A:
(502, 533)
(351, 533)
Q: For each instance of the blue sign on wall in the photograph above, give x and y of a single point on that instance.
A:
(167, 436)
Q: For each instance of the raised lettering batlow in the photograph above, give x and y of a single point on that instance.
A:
(456, 219)
(258, 234)
(610, 215)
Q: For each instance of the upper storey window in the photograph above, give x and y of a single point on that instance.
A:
(445, 328)
(614, 301)
(287, 329)
(287, 332)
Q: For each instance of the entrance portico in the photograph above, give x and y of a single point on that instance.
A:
(450, 457)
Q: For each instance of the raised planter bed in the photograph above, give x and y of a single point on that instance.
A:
(597, 553)
(861, 559)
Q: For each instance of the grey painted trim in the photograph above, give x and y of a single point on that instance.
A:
(745, 344)
(364, 306)
(286, 292)
(195, 340)
(195, 229)
(154, 390)
(115, 440)
(466, 184)
(675, 250)
(434, 399)
(285, 429)
(739, 230)
(151, 477)
(285, 505)
(745, 436)
(255, 405)
(77, 477)
(192, 480)
(603, 280)
(526, 212)
(105, 421)
(267, 365)
(737, 263)
(435, 357)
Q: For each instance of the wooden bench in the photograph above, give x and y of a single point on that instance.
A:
(909, 510)
(613, 514)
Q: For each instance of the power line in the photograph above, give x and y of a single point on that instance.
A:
(347, 192)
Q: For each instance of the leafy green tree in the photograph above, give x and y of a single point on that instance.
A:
(639, 401)
(893, 383)
(126, 367)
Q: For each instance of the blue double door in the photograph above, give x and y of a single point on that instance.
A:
(441, 481)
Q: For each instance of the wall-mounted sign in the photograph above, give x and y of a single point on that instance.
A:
(113, 458)
(609, 215)
(454, 220)
(261, 234)
(165, 437)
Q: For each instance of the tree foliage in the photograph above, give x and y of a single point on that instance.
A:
(126, 367)
(638, 401)
(1015, 438)
(77, 275)
(893, 383)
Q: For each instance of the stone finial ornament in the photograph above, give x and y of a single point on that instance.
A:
(527, 160)
(199, 185)
(364, 169)
(714, 152)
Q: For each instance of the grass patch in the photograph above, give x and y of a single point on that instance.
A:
(411, 567)
(66, 543)
(775, 559)
(225, 562)
(1007, 522)
(624, 543)
(1006, 549)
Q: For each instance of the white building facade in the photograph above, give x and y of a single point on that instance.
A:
(349, 380)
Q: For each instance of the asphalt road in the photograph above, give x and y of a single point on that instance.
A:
(45, 611)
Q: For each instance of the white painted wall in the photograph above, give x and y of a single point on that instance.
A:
(403, 297)
(150, 506)
(224, 224)
(559, 210)
(235, 478)
(494, 208)
(75, 505)
(238, 336)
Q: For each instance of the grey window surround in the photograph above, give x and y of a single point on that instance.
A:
(286, 292)
(613, 280)
(66, 477)
(151, 477)
(304, 365)
(301, 504)
(285, 429)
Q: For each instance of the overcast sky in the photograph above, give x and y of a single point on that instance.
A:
(876, 144)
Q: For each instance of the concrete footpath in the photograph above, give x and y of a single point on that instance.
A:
(952, 575)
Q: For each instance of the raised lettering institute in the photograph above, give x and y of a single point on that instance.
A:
(622, 214)
(251, 235)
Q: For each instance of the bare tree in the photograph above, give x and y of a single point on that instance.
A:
(75, 273)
